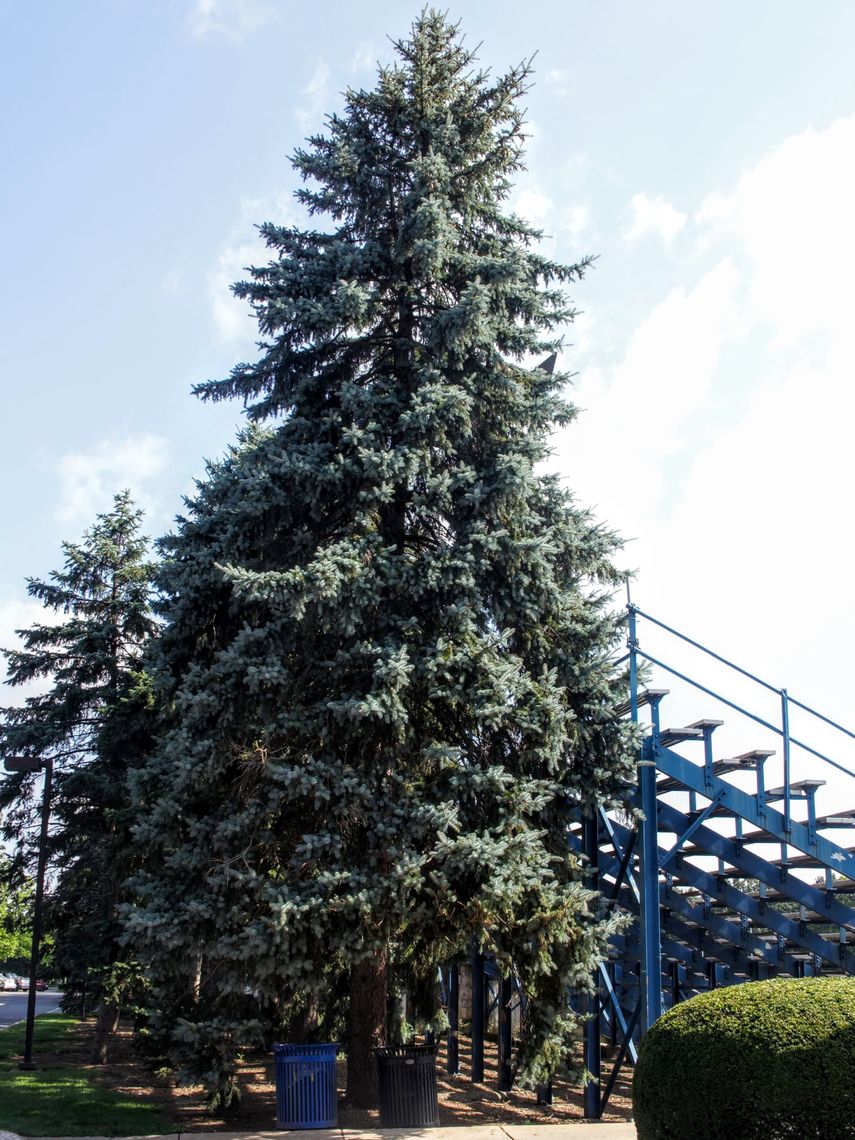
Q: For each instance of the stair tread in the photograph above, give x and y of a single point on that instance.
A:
(644, 697)
(795, 786)
(668, 736)
(744, 759)
(837, 819)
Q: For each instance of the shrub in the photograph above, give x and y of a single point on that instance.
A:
(760, 1061)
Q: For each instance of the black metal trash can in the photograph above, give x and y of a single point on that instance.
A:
(407, 1079)
(306, 1086)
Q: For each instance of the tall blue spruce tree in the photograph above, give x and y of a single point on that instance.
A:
(386, 666)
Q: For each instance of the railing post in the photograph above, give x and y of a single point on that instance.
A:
(632, 646)
(785, 731)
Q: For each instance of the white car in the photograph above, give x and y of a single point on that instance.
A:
(8, 982)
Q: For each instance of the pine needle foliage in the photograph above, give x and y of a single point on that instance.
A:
(387, 656)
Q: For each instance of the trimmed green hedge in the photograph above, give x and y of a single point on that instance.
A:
(759, 1061)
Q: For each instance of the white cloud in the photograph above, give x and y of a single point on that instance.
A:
(233, 19)
(90, 479)
(19, 613)
(316, 96)
(233, 319)
(774, 489)
(722, 439)
(792, 214)
(654, 216)
(581, 333)
(364, 58)
(15, 614)
(636, 414)
(172, 282)
(535, 207)
(558, 80)
(577, 222)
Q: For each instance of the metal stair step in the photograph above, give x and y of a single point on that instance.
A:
(761, 836)
(837, 819)
(795, 786)
(671, 736)
(749, 759)
(645, 697)
(720, 768)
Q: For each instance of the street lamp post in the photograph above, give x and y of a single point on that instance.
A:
(31, 764)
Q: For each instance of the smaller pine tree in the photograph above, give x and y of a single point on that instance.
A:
(90, 721)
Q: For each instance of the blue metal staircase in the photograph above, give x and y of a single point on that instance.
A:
(728, 866)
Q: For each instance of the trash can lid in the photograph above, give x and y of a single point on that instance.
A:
(307, 1049)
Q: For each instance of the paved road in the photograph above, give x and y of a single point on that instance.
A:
(13, 1006)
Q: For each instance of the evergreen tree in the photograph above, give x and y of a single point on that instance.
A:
(89, 721)
(16, 913)
(387, 653)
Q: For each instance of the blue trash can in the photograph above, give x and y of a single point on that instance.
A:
(306, 1086)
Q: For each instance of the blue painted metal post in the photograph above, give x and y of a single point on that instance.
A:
(505, 1072)
(613, 1021)
(651, 935)
(453, 1064)
(593, 1028)
(594, 1065)
(478, 1012)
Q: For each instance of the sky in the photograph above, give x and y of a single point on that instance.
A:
(705, 153)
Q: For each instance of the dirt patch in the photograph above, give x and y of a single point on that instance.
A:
(460, 1101)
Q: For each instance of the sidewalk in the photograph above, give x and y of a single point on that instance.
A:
(585, 1130)
(589, 1130)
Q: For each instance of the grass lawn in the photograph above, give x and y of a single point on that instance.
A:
(66, 1099)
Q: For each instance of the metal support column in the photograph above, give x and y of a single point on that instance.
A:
(453, 1020)
(593, 1054)
(593, 1062)
(651, 934)
(478, 1016)
(505, 1072)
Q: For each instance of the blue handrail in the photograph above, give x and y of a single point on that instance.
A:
(786, 701)
(738, 669)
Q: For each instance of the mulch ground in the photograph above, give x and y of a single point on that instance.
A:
(460, 1101)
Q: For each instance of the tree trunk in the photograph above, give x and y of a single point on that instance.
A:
(196, 980)
(367, 1028)
(304, 1027)
(105, 1027)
